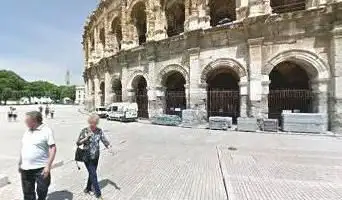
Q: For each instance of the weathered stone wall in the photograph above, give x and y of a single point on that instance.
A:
(251, 46)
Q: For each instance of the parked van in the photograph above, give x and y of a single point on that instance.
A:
(123, 111)
(101, 111)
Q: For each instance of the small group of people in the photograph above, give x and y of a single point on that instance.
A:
(39, 150)
(12, 114)
(48, 110)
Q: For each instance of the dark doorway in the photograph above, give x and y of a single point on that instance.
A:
(175, 94)
(139, 20)
(103, 93)
(141, 98)
(222, 12)
(117, 90)
(223, 95)
(175, 15)
(289, 90)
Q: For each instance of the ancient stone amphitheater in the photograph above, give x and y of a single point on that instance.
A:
(227, 58)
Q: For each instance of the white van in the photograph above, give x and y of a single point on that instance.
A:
(101, 111)
(123, 111)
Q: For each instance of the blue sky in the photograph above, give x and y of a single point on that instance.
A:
(41, 39)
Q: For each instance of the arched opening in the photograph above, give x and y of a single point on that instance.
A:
(283, 6)
(103, 37)
(175, 98)
(141, 98)
(289, 90)
(103, 93)
(138, 16)
(92, 42)
(222, 12)
(175, 16)
(117, 90)
(117, 31)
(223, 93)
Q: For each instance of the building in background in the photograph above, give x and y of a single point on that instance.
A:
(80, 95)
(247, 58)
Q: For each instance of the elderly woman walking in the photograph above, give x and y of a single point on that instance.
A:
(90, 138)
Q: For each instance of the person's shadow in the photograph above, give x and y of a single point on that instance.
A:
(103, 183)
(60, 195)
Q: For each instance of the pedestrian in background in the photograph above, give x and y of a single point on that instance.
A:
(40, 109)
(90, 138)
(14, 114)
(47, 111)
(52, 111)
(37, 155)
(10, 114)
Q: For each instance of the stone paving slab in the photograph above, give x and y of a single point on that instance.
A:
(171, 163)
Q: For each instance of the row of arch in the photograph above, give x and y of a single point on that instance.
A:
(291, 75)
(220, 11)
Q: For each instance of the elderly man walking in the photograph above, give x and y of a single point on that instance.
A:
(37, 155)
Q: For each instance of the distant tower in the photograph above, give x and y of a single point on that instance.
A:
(67, 78)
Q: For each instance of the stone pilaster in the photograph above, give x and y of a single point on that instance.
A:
(241, 9)
(336, 94)
(196, 97)
(130, 95)
(97, 94)
(157, 103)
(127, 28)
(125, 79)
(255, 77)
(108, 88)
(320, 103)
(243, 96)
(159, 32)
(259, 7)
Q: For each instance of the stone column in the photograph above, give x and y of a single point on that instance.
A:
(243, 96)
(97, 94)
(259, 7)
(130, 95)
(255, 77)
(108, 88)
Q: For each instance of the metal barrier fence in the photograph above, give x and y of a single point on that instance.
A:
(283, 6)
(224, 103)
(175, 102)
(294, 100)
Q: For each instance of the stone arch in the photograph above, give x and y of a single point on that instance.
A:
(312, 63)
(133, 76)
(116, 30)
(138, 17)
(223, 63)
(133, 3)
(166, 71)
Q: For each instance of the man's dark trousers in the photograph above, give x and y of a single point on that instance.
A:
(29, 179)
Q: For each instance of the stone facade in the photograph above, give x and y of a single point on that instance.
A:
(119, 53)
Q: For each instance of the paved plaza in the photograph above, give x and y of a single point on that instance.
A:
(151, 162)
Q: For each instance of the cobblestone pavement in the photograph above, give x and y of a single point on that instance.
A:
(163, 163)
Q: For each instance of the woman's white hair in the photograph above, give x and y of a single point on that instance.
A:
(94, 117)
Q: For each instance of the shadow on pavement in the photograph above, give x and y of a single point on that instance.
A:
(61, 195)
(103, 183)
